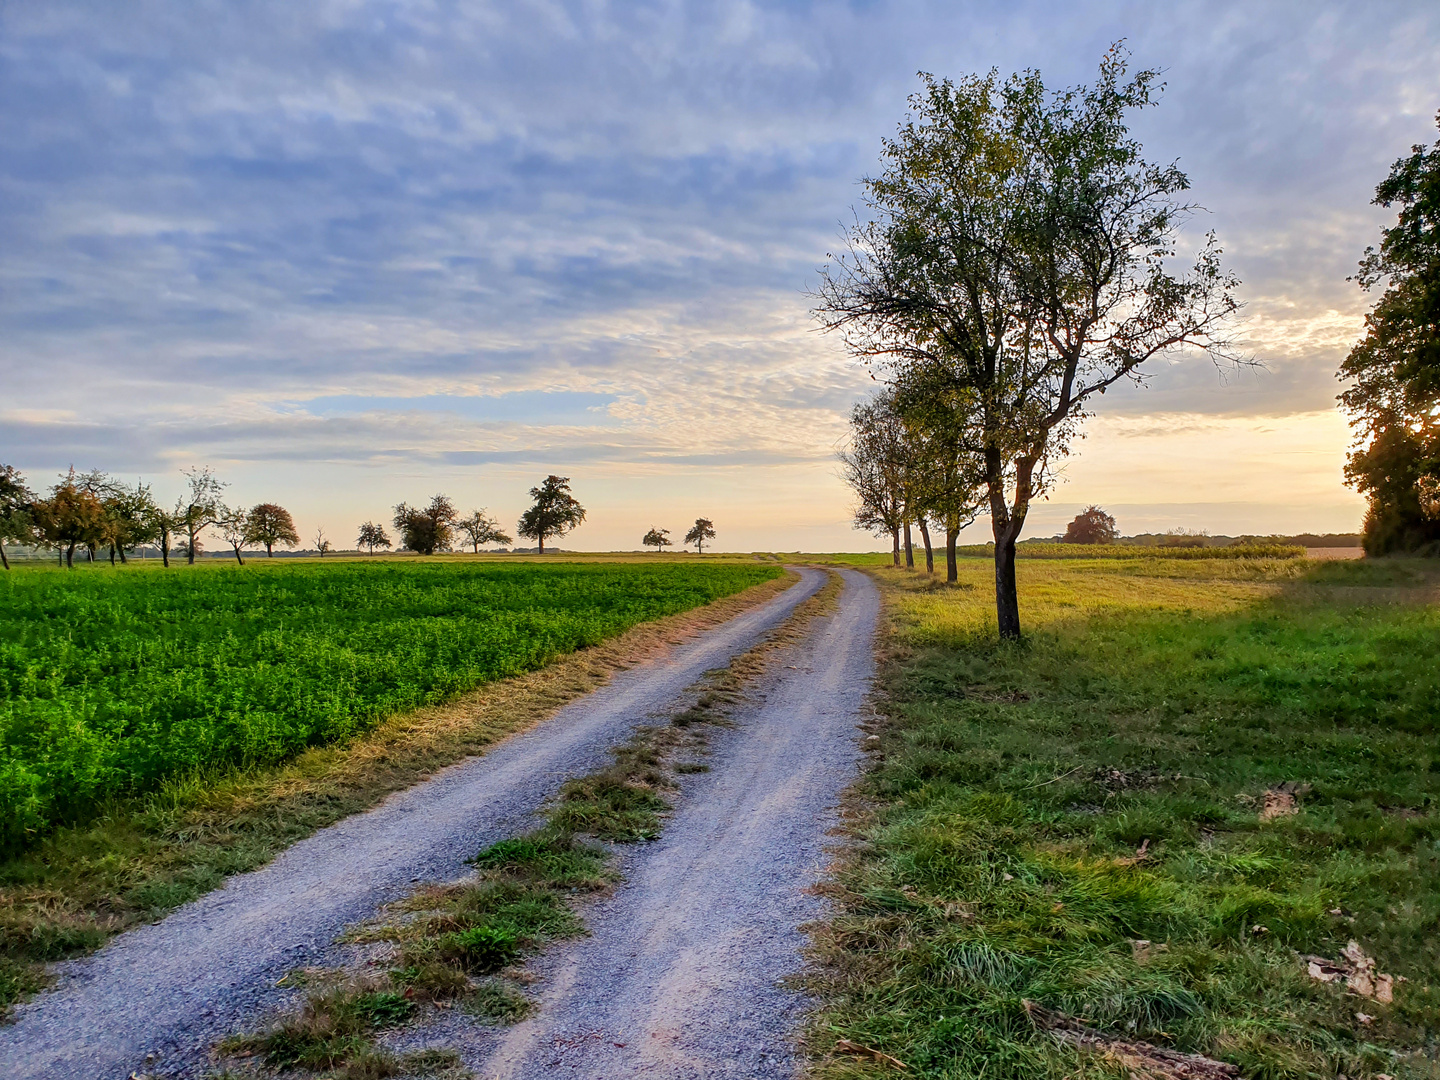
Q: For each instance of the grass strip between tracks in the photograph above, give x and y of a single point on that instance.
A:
(1190, 827)
(463, 944)
(144, 857)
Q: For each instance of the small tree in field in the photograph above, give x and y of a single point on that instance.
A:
(269, 524)
(16, 524)
(233, 524)
(372, 536)
(428, 530)
(198, 508)
(657, 538)
(702, 530)
(321, 544)
(480, 529)
(554, 512)
(1091, 526)
(70, 517)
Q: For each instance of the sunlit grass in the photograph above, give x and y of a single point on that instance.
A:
(1149, 710)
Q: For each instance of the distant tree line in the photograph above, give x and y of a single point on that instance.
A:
(95, 513)
(1394, 399)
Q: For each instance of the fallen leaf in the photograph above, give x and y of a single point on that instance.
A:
(1358, 970)
(1365, 1018)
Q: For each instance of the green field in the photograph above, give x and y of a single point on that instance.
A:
(1079, 821)
(113, 681)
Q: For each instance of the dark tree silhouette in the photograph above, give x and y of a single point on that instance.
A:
(1091, 526)
(480, 529)
(702, 530)
(372, 536)
(657, 538)
(553, 513)
(429, 530)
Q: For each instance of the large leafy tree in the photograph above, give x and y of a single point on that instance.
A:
(270, 524)
(70, 517)
(874, 464)
(554, 511)
(372, 536)
(426, 530)
(1394, 401)
(1091, 526)
(1019, 258)
(199, 508)
(659, 539)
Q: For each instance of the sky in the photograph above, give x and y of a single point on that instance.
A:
(351, 253)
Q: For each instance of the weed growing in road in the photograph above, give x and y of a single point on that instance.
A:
(1152, 828)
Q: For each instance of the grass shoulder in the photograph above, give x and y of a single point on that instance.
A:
(1194, 812)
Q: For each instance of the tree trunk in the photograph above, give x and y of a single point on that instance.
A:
(952, 568)
(541, 539)
(1007, 597)
(929, 551)
(3, 559)
(165, 548)
(895, 546)
(909, 548)
(190, 550)
(1007, 523)
(70, 556)
(123, 560)
(112, 554)
(269, 549)
(237, 554)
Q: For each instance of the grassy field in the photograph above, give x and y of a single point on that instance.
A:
(139, 857)
(111, 682)
(1191, 776)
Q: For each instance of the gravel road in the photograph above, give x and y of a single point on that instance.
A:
(156, 998)
(680, 976)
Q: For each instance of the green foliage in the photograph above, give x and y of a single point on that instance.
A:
(1394, 401)
(1019, 784)
(110, 684)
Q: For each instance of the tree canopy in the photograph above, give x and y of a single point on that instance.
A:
(657, 538)
(1394, 399)
(1091, 526)
(482, 529)
(270, 524)
(554, 511)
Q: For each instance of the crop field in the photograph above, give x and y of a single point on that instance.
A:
(1163, 818)
(112, 682)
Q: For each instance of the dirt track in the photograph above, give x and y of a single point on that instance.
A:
(157, 998)
(681, 974)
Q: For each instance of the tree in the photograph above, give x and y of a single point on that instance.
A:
(1016, 263)
(270, 524)
(1394, 402)
(321, 544)
(130, 516)
(429, 530)
(553, 513)
(657, 538)
(1091, 526)
(16, 524)
(480, 529)
(71, 516)
(198, 508)
(873, 465)
(233, 524)
(701, 531)
(372, 536)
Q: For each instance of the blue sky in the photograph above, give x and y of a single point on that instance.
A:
(352, 253)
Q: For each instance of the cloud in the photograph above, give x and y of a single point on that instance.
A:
(214, 216)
